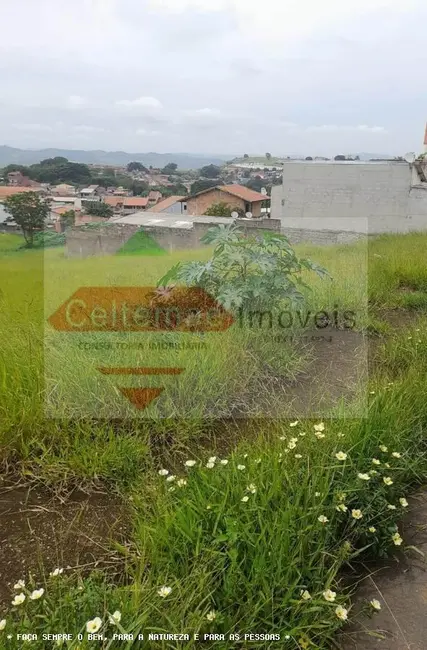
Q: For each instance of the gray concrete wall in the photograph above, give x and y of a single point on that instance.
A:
(109, 238)
(350, 197)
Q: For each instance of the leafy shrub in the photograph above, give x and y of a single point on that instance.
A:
(256, 271)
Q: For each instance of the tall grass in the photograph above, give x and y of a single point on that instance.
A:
(249, 545)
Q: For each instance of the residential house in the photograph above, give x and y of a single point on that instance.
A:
(171, 205)
(92, 193)
(63, 189)
(154, 196)
(115, 202)
(238, 197)
(133, 204)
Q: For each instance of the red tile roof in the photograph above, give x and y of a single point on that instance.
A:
(135, 201)
(6, 191)
(166, 203)
(240, 191)
(114, 200)
(244, 193)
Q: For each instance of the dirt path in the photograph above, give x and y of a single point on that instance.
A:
(40, 533)
(401, 587)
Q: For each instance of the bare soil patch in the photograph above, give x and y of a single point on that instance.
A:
(400, 584)
(40, 532)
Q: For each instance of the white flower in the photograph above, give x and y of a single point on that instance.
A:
(317, 494)
(298, 456)
(397, 540)
(190, 463)
(391, 507)
(171, 489)
(282, 438)
(19, 599)
(295, 440)
(293, 424)
(302, 433)
(319, 427)
(181, 482)
(364, 477)
(210, 465)
(329, 595)
(342, 507)
(387, 480)
(373, 472)
(383, 448)
(387, 465)
(341, 612)
(93, 626)
(319, 435)
(403, 502)
(356, 514)
(305, 595)
(212, 459)
(322, 519)
(163, 472)
(241, 467)
(56, 572)
(376, 461)
(224, 461)
(340, 435)
(396, 454)
(375, 604)
(170, 478)
(211, 616)
(258, 460)
(19, 585)
(372, 529)
(36, 594)
(251, 488)
(341, 455)
(292, 445)
(115, 618)
(2, 624)
(164, 591)
(245, 499)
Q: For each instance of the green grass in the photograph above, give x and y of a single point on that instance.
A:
(247, 560)
(10, 242)
(141, 244)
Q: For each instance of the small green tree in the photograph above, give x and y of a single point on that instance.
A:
(247, 272)
(220, 209)
(67, 220)
(210, 171)
(30, 211)
(268, 156)
(99, 209)
(170, 168)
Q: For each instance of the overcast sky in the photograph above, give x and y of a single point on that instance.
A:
(215, 76)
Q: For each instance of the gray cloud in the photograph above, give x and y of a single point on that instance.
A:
(223, 77)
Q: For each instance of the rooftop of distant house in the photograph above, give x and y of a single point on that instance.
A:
(166, 203)
(235, 190)
(10, 190)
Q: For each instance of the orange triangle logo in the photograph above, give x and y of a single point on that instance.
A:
(141, 397)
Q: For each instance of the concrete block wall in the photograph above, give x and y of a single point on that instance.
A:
(346, 197)
(109, 238)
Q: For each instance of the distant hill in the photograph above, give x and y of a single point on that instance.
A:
(10, 155)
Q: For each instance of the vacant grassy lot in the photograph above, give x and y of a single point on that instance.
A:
(232, 525)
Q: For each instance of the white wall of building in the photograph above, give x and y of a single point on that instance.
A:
(353, 196)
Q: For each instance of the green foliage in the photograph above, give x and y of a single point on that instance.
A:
(141, 244)
(60, 170)
(170, 168)
(99, 209)
(25, 171)
(220, 209)
(199, 186)
(136, 167)
(48, 239)
(139, 187)
(247, 271)
(210, 171)
(29, 211)
(67, 219)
